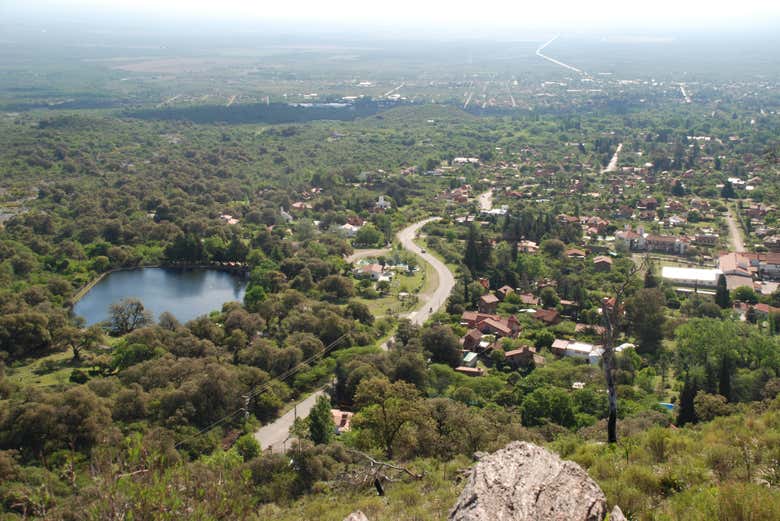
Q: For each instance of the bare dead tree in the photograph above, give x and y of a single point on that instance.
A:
(612, 312)
(374, 473)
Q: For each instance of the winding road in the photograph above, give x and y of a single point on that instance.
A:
(275, 435)
(429, 302)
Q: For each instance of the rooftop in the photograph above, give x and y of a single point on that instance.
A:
(695, 274)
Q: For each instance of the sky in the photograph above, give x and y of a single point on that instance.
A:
(482, 16)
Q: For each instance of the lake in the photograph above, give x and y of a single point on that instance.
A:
(186, 293)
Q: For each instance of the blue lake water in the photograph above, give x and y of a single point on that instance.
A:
(186, 293)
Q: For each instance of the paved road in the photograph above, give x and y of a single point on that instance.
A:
(612, 166)
(486, 200)
(429, 303)
(553, 60)
(274, 435)
(735, 233)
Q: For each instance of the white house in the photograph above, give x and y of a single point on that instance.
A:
(382, 204)
(348, 230)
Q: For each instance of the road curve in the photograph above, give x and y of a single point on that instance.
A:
(436, 301)
(275, 435)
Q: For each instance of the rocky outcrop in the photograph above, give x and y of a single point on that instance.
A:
(617, 514)
(525, 482)
(356, 516)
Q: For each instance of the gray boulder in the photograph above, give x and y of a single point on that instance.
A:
(356, 516)
(525, 482)
(617, 515)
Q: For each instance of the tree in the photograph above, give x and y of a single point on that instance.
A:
(722, 298)
(549, 297)
(386, 409)
(548, 404)
(471, 257)
(645, 315)
(553, 247)
(321, 421)
(168, 321)
(650, 280)
(442, 344)
(336, 287)
(745, 294)
(369, 235)
(127, 315)
(612, 311)
(78, 340)
(687, 412)
(24, 334)
(360, 312)
(727, 192)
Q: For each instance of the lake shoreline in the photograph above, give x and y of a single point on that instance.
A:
(86, 288)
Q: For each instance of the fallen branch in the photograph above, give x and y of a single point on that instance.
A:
(384, 464)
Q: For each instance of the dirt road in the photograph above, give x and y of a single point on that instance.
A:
(735, 233)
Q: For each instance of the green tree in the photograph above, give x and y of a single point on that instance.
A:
(745, 294)
(722, 298)
(386, 409)
(548, 404)
(727, 192)
(369, 235)
(549, 297)
(471, 257)
(645, 314)
(24, 334)
(321, 421)
(442, 343)
(126, 315)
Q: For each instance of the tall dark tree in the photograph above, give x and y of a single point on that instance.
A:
(722, 297)
(727, 192)
(321, 421)
(645, 315)
(686, 412)
(471, 257)
(650, 279)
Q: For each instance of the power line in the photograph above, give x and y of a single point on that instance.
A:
(265, 387)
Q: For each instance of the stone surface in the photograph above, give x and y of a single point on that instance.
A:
(356, 516)
(617, 514)
(525, 482)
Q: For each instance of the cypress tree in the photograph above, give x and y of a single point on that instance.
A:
(471, 257)
(687, 414)
(321, 421)
(722, 293)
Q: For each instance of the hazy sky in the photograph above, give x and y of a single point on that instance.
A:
(653, 15)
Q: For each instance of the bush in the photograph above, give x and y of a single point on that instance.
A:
(78, 376)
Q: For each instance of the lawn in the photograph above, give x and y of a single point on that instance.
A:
(390, 304)
(48, 371)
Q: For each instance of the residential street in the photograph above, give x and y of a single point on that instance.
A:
(735, 233)
(274, 435)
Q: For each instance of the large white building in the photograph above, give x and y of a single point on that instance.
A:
(699, 277)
